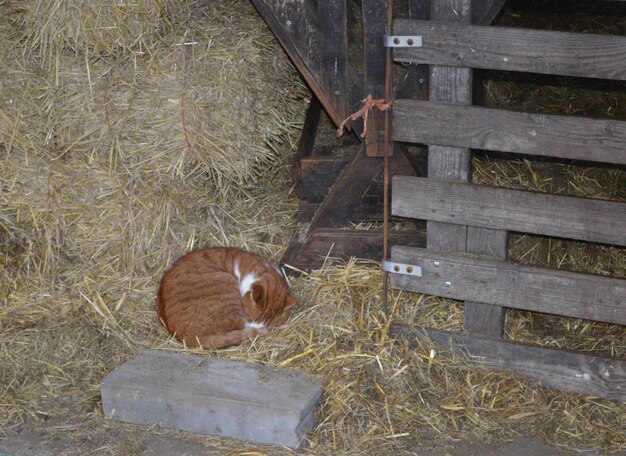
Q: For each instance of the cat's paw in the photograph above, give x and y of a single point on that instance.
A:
(251, 333)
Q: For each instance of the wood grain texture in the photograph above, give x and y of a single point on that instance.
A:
(450, 85)
(212, 396)
(296, 25)
(334, 51)
(374, 58)
(578, 138)
(342, 244)
(553, 368)
(480, 318)
(485, 11)
(354, 185)
(515, 210)
(514, 49)
(470, 278)
(303, 46)
(454, 85)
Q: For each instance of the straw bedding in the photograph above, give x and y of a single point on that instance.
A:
(124, 147)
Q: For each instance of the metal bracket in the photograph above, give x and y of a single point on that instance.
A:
(401, 268)
(398, 41)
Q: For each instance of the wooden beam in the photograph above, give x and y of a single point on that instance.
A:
(342, 244)
(515, 210)
(374, 58)
(415, 84)
(515, 49)
(465, 277)
(454, 85)
(307, 138)
(317, 177)
(296, 28)
(333, 28)
(577, 138)
(353, 184)
(553, 368)
(485, 11)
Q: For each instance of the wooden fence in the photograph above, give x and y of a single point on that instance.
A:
(337, 45)
(468, 225)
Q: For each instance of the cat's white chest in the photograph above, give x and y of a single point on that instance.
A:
(254, 324)
(245, 282)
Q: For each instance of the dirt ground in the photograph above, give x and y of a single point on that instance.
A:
(158, 442)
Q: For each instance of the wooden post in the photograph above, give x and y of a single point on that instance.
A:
(374, 54)
(334, 48)
(454, 85)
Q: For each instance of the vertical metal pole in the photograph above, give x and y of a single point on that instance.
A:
(388, 152)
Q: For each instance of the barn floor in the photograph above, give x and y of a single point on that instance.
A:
(163, 443)
(76, 302)
(337, 332)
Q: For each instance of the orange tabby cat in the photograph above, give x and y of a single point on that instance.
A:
(222, 296)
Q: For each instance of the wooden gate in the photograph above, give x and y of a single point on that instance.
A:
(337, 46)
(468, 225)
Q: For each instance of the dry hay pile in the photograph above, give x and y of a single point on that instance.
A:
(124, 147)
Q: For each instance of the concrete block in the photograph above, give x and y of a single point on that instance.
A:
(212, 396)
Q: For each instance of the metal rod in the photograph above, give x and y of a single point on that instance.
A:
(388, 151)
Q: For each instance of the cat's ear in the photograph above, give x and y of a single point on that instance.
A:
(290, 302)
(257, 293)
(249, 305)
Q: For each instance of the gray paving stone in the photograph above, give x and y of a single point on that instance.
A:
(212, 396)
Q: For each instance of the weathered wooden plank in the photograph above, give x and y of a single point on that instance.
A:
(553, 368)
(450, 85)
(333, 27)
(307, 139)
(297, 31)
(454, 85)
(334, 243)
(353, 185)
(374, 58)
(295, 23)
(485, 11)
(480, 318)
(212, 396)
(578, 138)
(514, 49)
(469, 278)
(317, 176)
(515, 210)
(415, 84)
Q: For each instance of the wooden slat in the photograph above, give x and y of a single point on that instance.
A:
(295, 23)
(515, 210)
(515, 49)
(415, 84)
(454, 85)
(470, 278)
(333, 27)
(374, 57)
(344, 244)
(353, 185)
(481, 318)
(553, 368)
(297, 38)
(568, 137)
(485, 11)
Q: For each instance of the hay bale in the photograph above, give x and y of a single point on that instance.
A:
(189, 104)
(96, 27)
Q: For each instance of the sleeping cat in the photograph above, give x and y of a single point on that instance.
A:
(222, 296)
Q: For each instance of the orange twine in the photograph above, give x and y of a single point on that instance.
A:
(368, 104)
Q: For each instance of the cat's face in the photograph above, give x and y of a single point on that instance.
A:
(268, 300)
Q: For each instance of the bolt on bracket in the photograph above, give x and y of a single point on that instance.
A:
(400, 41)
(401, 268)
